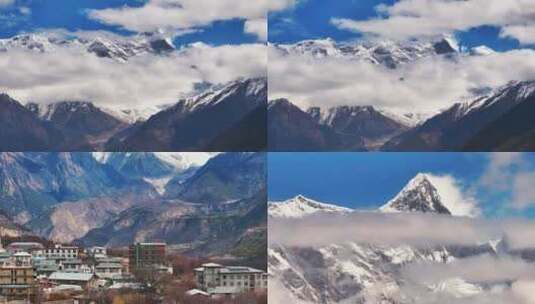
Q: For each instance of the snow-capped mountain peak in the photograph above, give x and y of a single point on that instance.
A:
(482, 50)
(47, 111)
(134, 115)
(301, 206)
(382, 52)
(419, 195)
(179, 160)
(514, 92)
(106, 46)
(218, 93)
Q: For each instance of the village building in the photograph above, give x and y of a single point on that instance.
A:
(43, 267)
(17, 278)
(29, 247)
(97, 252)
(109, 270)
(60, 252)
(84, 280)
(71, 265)
(22, 259)
(220, 280)
(145, 256)
(5, 258)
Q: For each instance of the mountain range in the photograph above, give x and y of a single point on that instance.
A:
(367, 273)
(206, 203)
(213, 117)
(225, 118)
(490, 120)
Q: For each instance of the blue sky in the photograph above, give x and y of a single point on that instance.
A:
(310, 19)
(33, 15)
(368, 180)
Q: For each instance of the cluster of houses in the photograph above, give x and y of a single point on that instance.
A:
(29, 270)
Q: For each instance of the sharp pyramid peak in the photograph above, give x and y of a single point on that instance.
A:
(419, 195)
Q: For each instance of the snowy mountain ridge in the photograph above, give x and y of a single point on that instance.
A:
(301, 206)
(116, 48)
(328, 114)
(179, 160)
(381, 52)
(520, 91)
(365, 273)
(215, 94)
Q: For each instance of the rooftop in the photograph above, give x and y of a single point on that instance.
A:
(196, 292)
(71, 276)
(72, 261)
(151, 244)
(109, 265)
(240, 269)
(211, 265)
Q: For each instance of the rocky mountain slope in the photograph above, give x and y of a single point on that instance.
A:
(212, 203)
(21, 130)
(178, 222)
(483, 123)
(228, 117)
(494, 119)
(224, 179)
(33, 182)
(85, 125)
(363, 273)
(353, 128)
(210, 114)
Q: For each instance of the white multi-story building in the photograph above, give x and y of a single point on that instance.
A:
(71, 265)
(60, 252)
(217, 279)
(97, 252)
(109, 270)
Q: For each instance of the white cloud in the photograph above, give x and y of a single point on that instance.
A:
(523, 290)
(70, 73)
(257, 27)
(417, 18)
(25, 10)
(453, 281)
(523, 191)
(176, 15)
(414, 229)
(458, 201)
(525, 34)
(4, 3)
(428, 84)
(510, 174)
(481, 269)
(498, 173)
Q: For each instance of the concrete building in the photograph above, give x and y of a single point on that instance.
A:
(143, 256)
(22, 259)
(71, 265)
(109, 270)
(217, 279)
(17, 282)
(29, 247)
(97, 252)
(43, 267)
(84, 280)
(60, 252)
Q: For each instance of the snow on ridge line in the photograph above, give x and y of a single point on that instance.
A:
(185, 160)
(301, 206)
(179, 160)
